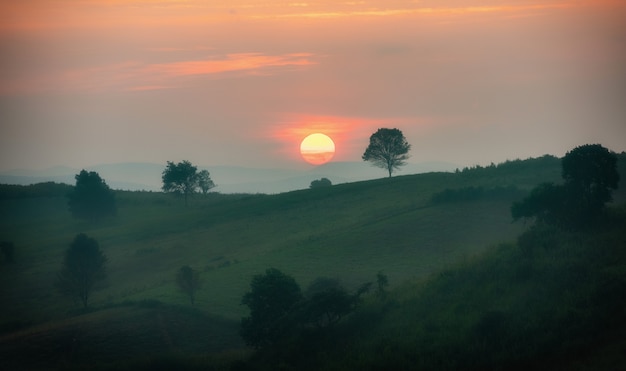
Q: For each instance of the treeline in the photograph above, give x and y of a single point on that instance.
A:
(514, 166)
(46, 189)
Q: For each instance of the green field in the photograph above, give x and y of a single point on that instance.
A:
(348, 231)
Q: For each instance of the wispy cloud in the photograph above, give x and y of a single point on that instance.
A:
(64, 14)
(250, 62)
(417, 10)
(178, 49)
(138, 76)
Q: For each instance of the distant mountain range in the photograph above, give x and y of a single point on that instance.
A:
(229, 179)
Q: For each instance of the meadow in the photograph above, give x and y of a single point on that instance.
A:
(411, 227)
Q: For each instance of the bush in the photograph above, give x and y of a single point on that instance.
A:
(324, 182)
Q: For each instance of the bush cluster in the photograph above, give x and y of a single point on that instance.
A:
(279, 310)
(589, 176)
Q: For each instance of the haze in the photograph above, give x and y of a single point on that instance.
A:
(468, 82)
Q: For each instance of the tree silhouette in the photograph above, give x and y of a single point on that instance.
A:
(181, 178)
(326, 302)
(83, 267)
(590, 174)
(204, 181)
(271, 298)
(546, 202)
(324, 182)
(91, 198)
(388, 149)
(188, 281)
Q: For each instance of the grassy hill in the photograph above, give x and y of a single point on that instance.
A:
(553, 300)
(349, 231)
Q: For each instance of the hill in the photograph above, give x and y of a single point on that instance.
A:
(349, 231)
(229, 179)
(552, 300)
(129, 335)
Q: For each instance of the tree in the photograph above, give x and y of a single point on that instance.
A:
(181, 178)
(324, 182)
(546, 203)
(83, 267)
(188, 281)
(327, 301)
(271, 298)
(590, 174)
(204, 181)
(91, 198)
(388, 149)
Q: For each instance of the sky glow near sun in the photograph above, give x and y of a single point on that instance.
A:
(243, 81)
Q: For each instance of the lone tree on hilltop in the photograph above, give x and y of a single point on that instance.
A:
(181, 178)
(188, 281)
(271, 299)
(204, 181)
(83, 267)
(91, 198)
(590, 175)
(388, 149)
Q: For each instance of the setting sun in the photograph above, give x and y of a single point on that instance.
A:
(317, 149)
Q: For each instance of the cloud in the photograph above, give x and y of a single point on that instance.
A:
(466, 81)
(412, 10)
(249, 62)
(139, 76)
(34, 15)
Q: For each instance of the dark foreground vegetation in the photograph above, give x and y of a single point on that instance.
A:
(454, 284)
(553, 300)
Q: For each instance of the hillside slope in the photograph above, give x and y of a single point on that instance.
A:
(553, 300)
(349, 231)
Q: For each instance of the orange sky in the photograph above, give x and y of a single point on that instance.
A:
(84, 82)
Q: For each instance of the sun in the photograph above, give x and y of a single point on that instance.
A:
(317, 149)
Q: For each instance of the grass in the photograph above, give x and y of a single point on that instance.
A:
(119, 335)
(553, 300)
(348, 231)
